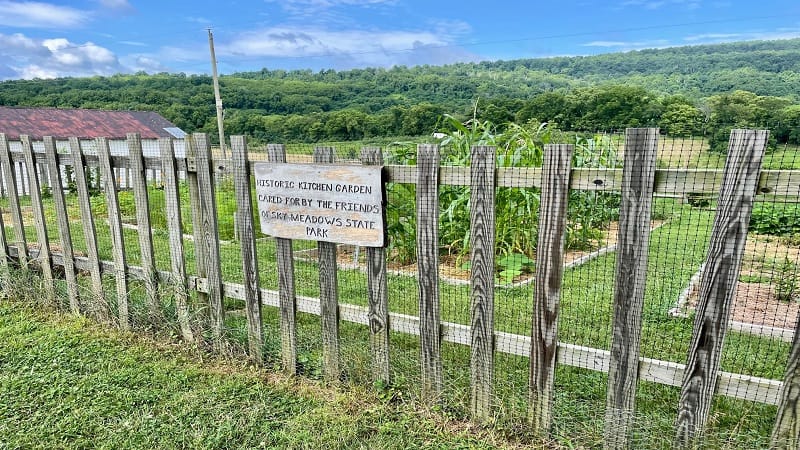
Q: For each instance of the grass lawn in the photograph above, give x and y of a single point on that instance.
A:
(135, 397)
(67, 383)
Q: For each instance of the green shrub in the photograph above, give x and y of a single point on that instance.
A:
(775, 219)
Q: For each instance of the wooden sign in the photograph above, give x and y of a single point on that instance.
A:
(341, 204)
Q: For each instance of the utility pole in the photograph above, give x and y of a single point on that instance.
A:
(216, 93)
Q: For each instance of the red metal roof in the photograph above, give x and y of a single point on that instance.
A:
(81, 123)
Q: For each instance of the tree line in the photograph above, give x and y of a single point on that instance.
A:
(685, 90)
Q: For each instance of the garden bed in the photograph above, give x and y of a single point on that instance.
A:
(766, 260)
(451, 267)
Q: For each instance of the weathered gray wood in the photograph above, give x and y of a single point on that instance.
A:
(200, 259)
(377, 289)
(428, 270)
(276, 153)
(328, 292)
(39, 221)
(244, 223)
(641, 145)
(674, 182)
(4, 257)
(89, 232)
(743, 387)
(786, 432)
(138, 182)
(13, 201)
(723, 260)
(115, 230)
(209, 236)
(482, 241)
(553, 205)
(65, 234)
(172, 205)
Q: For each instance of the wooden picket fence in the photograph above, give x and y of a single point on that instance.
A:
(700, 379)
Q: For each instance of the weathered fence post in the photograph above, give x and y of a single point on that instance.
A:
(482, 240)
(786, 432)
(203, 312)
(328, 292)
(276, 153)
(115, 229)
(633, 241)
(718, 286)
(39, 221)
(428, 271)
(65, 234)
(13, 201)
(378, 292)
(89, 231)
(174, 225)
(4, 268)
(207, 236)
(247, 239)
(141, 197)
(553, 204)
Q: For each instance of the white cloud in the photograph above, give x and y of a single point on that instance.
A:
(710, 38)
(143, 63)
(657, 4)
(713, 37)
(33, 71)
(55, 57)
(628, 44)
(369, 47)
(40, 15)
(605, 44)
(115, 4)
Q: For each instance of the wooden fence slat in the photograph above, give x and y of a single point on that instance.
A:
(244, 223)
(276, 153)
(209, 236)
(427, 199)
(633, 241)
(138, 182)
(4, 256)
(328, 292)
(13, 201)
(39, 221)
(482, 241)
(553, 205)
(718, 286)
(786, 432)
(377, 289)
(89, 231)
(115, 230)
(172, 205)
(668, 182)
(203, 312)
(65, 234)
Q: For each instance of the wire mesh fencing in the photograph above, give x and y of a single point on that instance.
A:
(658, 253)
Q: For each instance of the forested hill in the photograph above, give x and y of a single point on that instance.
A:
(762, 67)
(276, 105)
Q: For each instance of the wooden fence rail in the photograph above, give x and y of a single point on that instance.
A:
(739, 184)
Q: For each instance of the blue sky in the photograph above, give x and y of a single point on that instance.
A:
(48, 39)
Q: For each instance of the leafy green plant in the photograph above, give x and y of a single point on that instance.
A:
(775, 219)
(786, 288)
(512, 266)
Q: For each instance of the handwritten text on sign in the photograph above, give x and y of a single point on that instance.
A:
(341, 204)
